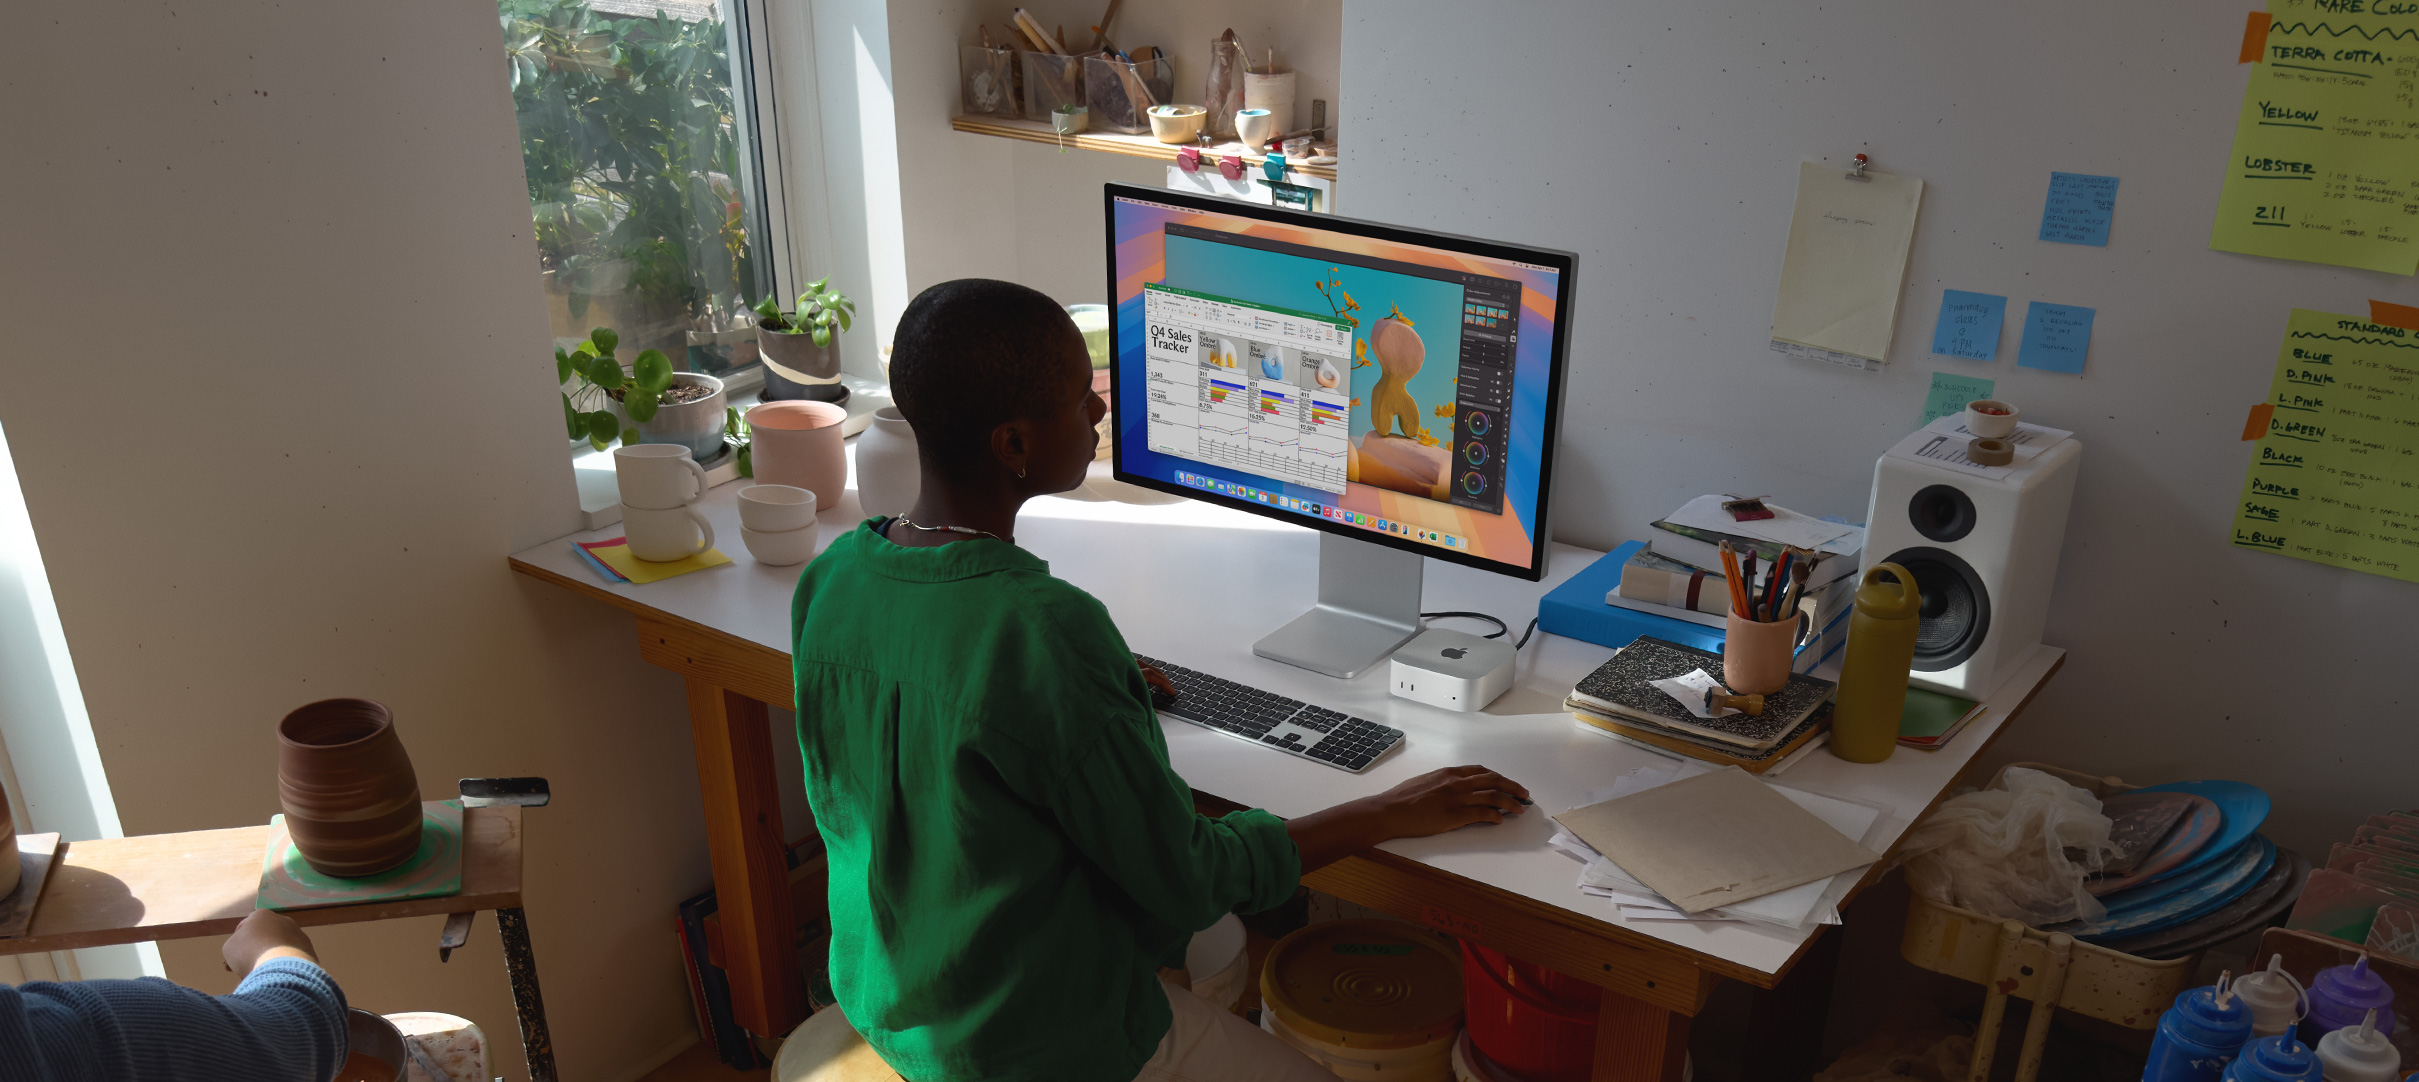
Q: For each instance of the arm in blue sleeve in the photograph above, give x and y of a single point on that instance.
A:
(284, 1023)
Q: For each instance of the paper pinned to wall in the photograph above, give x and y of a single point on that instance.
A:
(1950, 393)
(2323, 162)
(1847, 261)
(2335, 479)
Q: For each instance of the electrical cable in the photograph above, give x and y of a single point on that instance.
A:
(1502, 629)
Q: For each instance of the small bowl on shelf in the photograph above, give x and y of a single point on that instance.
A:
(1070, 119)
(1177, 123)
(1990, 418)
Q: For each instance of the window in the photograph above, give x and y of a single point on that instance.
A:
(646, 188)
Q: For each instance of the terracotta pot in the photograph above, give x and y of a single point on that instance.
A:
(798, 444)
(351, 800)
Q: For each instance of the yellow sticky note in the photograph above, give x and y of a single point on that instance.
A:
(2334, 476)
(2325, 165)
(639, 571)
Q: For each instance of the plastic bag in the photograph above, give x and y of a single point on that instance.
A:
(1222, 92)
(2020, 852)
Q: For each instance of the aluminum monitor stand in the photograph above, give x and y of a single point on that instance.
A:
(1369, 597)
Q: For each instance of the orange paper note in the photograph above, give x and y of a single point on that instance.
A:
(2394, 315)
(2255, 37)
(2256, 425)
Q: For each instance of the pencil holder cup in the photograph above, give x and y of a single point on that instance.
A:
(1756, 655)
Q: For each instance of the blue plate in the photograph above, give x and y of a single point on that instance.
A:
(2153, 893)
(2249, 862)
(2244, 806)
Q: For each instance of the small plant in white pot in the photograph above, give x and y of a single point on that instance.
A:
(800, 348)
(661, 405)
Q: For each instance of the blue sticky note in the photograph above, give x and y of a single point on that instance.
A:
(1969, 325)
(2056, 337)
(2079, 209)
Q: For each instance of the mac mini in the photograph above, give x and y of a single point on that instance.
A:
(1453, 670)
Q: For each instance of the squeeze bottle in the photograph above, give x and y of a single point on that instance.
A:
(1873, 679)
(2275, 998)
(2197, 1037)
(2274, 1059)
(2340, 995)
(2359, 1054)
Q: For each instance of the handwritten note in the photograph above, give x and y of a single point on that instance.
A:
(1950, 393)
(2079, 209)
(1847, 258)
(2057, 337)
(2335, 479)
(1969, 325)
(2326, 147)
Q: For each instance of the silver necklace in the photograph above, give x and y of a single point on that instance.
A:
(969, 531)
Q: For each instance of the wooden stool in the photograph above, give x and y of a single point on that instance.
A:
(825, 1048)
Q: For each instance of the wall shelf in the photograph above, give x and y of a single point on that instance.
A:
(1135, 146)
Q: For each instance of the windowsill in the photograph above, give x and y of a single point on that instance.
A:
(600, 500)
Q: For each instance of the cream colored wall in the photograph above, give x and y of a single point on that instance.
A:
(278, 395)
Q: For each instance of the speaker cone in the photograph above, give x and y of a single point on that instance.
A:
(1942, 513)
(1956, 609)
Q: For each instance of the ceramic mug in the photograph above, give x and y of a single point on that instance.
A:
(665, 534)
(775, 508)
(797, 443)
(780, 548)
(1254, 126)
(658, 475)
(1756, 656)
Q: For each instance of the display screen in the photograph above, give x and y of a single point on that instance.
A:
(1373, 382)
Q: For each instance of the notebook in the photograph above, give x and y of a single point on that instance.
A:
(1753, 761)
(1717, 839)
(1619, 689)
(1932, 719)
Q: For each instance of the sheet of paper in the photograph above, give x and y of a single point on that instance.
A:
(1969, 325)
(1717, 839)
(1950, 393)
(2057, 337)
(1689, 691)
(1785, 527)
(2335, 479)
(2326, 145)
(1942, 443)
(1847, 260)
(2079, 209)
(1791, 908)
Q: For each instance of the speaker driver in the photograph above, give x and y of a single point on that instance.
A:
(1956, 613)
(1942, 513)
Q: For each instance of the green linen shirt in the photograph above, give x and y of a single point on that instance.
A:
(1011, 855)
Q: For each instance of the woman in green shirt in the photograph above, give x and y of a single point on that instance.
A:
(1012, 858)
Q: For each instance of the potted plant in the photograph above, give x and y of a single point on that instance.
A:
(797, 347)
(662, 406)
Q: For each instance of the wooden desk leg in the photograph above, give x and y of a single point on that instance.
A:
(751, 869)
(1639, 1042)
(521, 964)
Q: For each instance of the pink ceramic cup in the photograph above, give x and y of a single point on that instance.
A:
(798, 443)
(1756, 656)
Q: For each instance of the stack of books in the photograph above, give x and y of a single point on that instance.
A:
(1620, 698)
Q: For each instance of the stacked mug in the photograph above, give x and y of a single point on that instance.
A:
(660, 486)
(778, 523)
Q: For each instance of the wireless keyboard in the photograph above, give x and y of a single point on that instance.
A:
(1288, 725)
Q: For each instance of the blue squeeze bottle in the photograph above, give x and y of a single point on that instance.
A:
(2274, 1059)
(2198, 1036)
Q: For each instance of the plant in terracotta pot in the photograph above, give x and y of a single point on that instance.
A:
(661, 405)
(799, 347)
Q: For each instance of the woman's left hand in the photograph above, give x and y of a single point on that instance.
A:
(1158, 680)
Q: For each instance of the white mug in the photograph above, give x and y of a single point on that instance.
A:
(665, 534)
(657, 475)
(775, 508)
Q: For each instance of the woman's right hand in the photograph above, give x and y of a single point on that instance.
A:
(1447, 799)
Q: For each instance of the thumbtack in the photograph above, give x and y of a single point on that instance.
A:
(1857, 172)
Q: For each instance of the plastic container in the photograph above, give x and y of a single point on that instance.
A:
(988, 81)
(1530, 1020)
(2274, 1059)
(1051, 80)
(2359, 1054)
(2197, 1038)
(2341, 995)
(1881, 654)
(1121, 94)
(1376, 1001)
(2277, 1001)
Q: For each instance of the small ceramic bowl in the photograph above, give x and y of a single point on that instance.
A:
(1070, 119)
(1997, 425)
(780, 548)
(1253, 127)
(1177, 123)
(775, 508)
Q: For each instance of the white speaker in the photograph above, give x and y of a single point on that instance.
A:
(1984, 551)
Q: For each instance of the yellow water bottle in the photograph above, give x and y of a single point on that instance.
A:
(1881, 652)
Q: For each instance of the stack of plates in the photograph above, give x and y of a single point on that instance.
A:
(2211, 877)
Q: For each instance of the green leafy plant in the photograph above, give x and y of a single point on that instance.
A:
(741, 438)
(601, 378)
(822, 312)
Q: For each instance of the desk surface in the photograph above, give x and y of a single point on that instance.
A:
(1192, 583)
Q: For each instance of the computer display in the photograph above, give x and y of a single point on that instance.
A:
(1388, 384)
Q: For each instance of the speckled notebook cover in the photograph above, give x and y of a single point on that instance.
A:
(1619, 687)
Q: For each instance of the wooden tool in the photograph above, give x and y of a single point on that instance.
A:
(1033, 29)
(1100, 32)
(1718, 700)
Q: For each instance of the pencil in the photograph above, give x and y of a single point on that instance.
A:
(1730, 577)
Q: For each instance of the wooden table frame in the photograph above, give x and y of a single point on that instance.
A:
(1643, 1031)
(199, 883)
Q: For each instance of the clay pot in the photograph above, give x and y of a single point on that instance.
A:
(351, 800)
(798, 444)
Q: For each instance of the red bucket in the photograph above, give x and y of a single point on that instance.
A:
(1530, 1020)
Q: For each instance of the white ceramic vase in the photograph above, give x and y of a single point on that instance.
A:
(889, 473)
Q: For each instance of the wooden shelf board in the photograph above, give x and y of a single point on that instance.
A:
(1133, 146)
